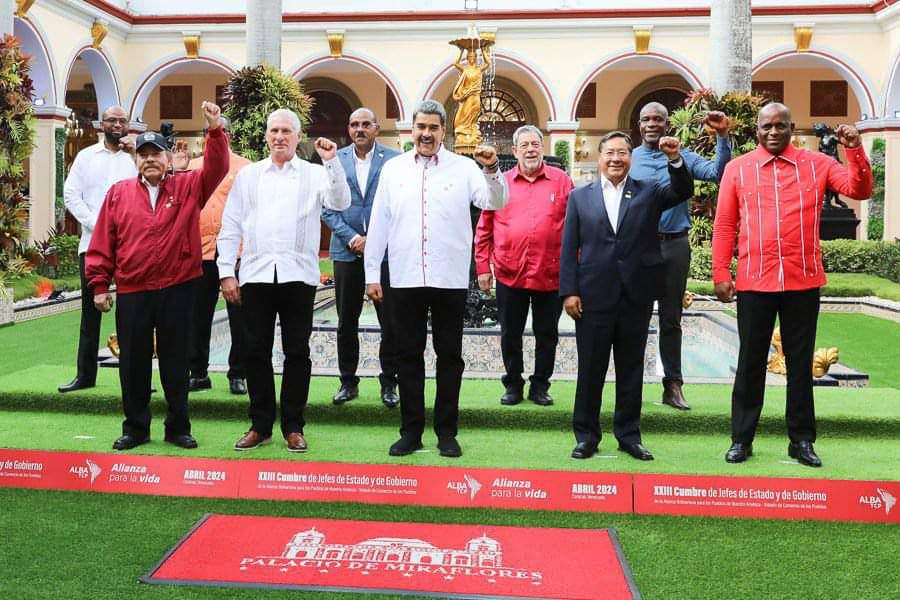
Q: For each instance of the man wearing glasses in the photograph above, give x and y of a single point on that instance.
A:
(362, 161)
(94, 170)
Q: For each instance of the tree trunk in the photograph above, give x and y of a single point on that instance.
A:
(264, 33)
(731, 49)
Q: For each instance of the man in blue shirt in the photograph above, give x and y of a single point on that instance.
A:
(648, 162)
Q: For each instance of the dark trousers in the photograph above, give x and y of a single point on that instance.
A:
(169, 312)
(677, 259)
(622, 329)
(204, 309)
(798, 313)
(349, 286)
(293, 304)
(89, 332)
(512, 310)
(410, 312)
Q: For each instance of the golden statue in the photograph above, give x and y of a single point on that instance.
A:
(822, 359)
(467, 92)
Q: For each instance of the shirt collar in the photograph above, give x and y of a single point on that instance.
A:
(541, 172)
(101, 147)
(606, 183)
(294, 164)
(434, 158)
(367, 158)
(790, 154)
(158, 185)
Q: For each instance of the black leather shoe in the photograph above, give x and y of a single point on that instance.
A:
(389, 396)
(237, 386)
(804, 453)
(75, 384)
(345, 393)
(674, 396)
(405, 446)
(636, 450)
(540, 397)
(127, 442)
(199, 383)
(449, 447)
(511, 396)
(584, 450)
(185, 440)
(739, 452)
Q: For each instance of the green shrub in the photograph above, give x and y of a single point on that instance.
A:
(407, 146)
(862, 256)
(876, 204)
(250, 96)
(66, 249)
(561, 151)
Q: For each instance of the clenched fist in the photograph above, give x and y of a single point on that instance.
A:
(212, 113)
(326, 149)
(717, 120)
(847, 135)
(670, 146)
(486, 156)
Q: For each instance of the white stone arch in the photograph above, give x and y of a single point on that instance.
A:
(520, 63)
(32, 39)
(302, 67)
(862, 86)
(158, 71)
(103, 73)
(892, 89)
(666, 58)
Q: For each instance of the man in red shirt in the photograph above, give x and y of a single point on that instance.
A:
(770, 200)
(522, 243)
(147, 238)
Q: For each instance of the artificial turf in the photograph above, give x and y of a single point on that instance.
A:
(84, 545)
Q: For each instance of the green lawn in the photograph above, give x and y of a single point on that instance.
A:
(866, 343)
(24, 286)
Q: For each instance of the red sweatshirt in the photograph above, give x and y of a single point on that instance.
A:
(771, 204)
(145, 249)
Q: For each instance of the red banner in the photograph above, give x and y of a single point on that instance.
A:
(767, 498)
(749, 497)
(450, 560)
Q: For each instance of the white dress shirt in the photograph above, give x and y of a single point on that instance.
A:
(363, 166)
(612, 199)
(422, 208)
(275, 214)
(93, 172)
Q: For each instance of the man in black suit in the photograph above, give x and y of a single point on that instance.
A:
(611, 267)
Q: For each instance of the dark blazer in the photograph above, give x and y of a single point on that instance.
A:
(598, 264)
(355, 220)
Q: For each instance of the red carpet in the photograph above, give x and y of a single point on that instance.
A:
(368, 556)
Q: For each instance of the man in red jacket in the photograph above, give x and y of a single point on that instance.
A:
(770, 200)
(147, 238)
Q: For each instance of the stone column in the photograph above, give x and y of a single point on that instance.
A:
(730, 35)
(264, 32)
(7, 11)
(891, 136)
(42, 171)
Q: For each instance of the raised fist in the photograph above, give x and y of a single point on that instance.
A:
(326, 149)
(212, 114)
(485, 155)
(717, 120)
(670, 146)
(847, 135)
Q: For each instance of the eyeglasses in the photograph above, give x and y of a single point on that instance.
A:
(114, 121)
(615, 153)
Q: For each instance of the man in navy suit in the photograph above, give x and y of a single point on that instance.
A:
(362, 162)
(611, 268)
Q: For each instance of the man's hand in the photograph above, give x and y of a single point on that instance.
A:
(181, 158)
(486, 156)
(231, 290)
(848, 135)
(212, 114)
(670, 146)
(126, 143)
(725, 291)
(103, 302)
(358, 244)
(718, 121)
(374, 292)
(485, 282)
(326, 149)
(572, 304)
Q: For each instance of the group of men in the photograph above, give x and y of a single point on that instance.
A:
(401, 233)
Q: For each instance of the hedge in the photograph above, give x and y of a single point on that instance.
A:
(878, 258)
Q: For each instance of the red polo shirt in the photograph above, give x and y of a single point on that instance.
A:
(772, 204)
(522, 240)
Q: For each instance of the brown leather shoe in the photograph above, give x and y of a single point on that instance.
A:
(673, 397)
(251, 440)
(295, 442)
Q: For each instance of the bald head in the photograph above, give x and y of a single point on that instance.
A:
(774, 128)
(363, 129)
(653, 123)
(114, 124)
(114, 110)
